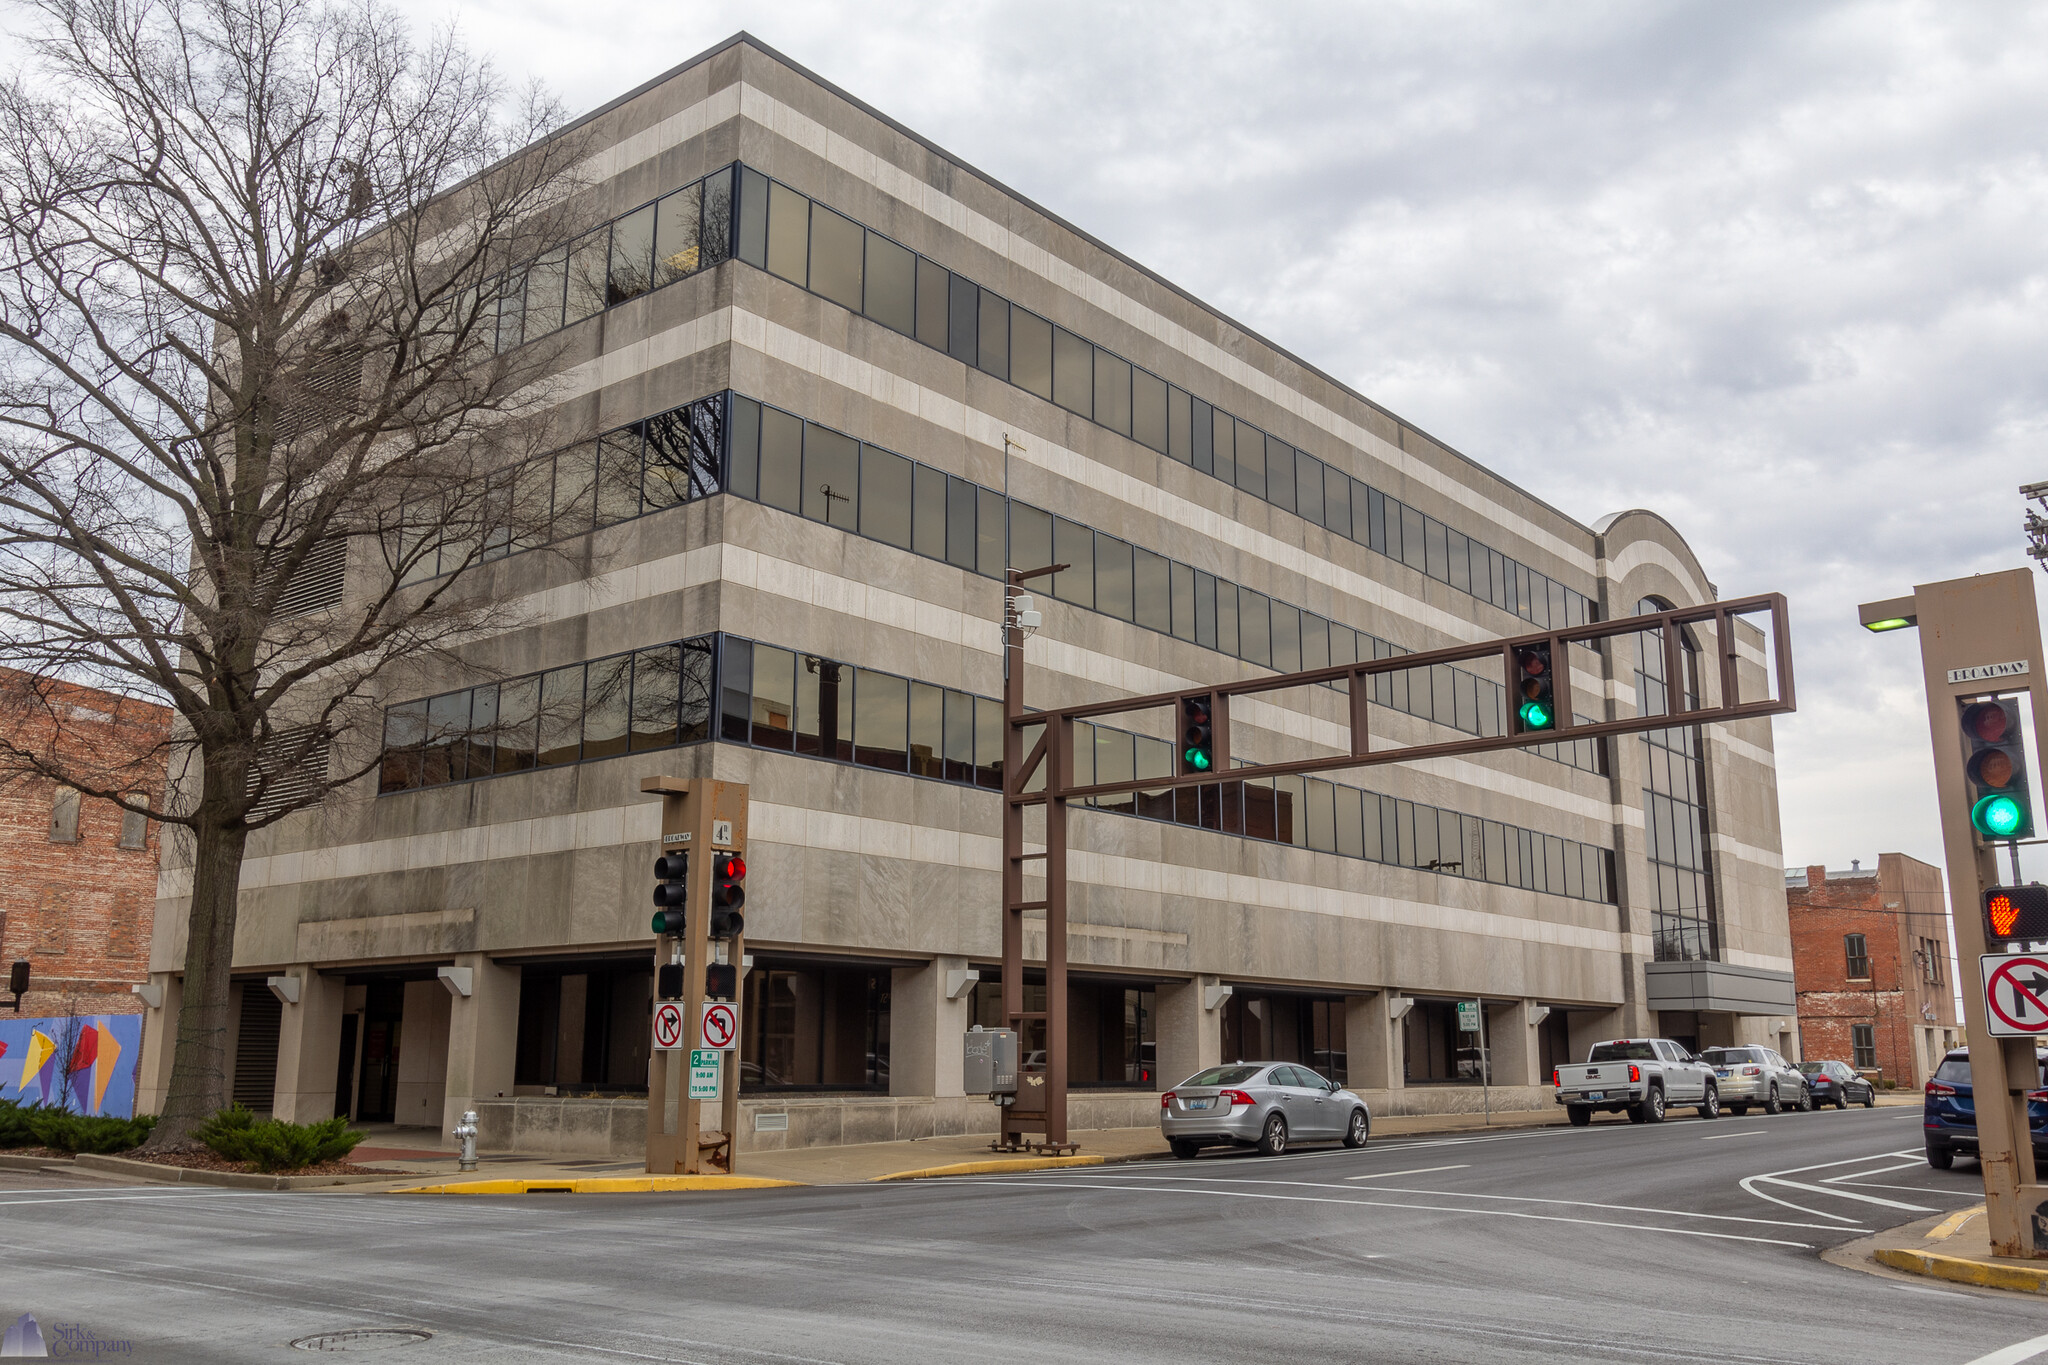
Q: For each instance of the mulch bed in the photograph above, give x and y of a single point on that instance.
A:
(203, 1160)
(50, 1153)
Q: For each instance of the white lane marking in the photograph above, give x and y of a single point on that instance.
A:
(1918, 1189)
(1106, 1176)
(1840, 1193)
(2015, 1353)
(1748, 1183)
(1754, 1132)
(1878, 1170)
(1391, 1204)
(106, 1198)
(1419, 1170)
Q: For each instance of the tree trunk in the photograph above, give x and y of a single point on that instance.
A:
(200, 1079)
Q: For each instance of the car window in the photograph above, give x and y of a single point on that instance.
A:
(1725, 1056)
(1817, 1068)
(1223, 1075)
(1622, 1052)
(1280, 1075)
(1310, 1079)
(1954, 1069)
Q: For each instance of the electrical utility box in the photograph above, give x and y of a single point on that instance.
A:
(989, 1062)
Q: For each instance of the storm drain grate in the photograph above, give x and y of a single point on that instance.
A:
(364, 1339)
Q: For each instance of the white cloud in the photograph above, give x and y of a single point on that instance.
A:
(1775, 271)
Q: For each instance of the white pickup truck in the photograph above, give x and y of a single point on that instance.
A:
(1642, 1076)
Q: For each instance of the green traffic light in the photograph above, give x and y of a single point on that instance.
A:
(1997, 816)
(1534, 715)
(1198, 759)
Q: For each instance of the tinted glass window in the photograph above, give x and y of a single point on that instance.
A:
(545, 283)
(1222, 1075)
(1622, 1052)
(518, 713)
(959, 737)
(891, 283)
(632, 254)
(1074, 546)
(1183, 601)
(1223, 437)
(773, 712)
(561, 715)
(836, 257)
(1030, 352)
(1255, 638)
(656, 689)
(753, 234)
(831, 477)
(789, 232)
(782, 460)
(931, 303)
(1031, 535)
(676, 220)
(988, 743)
(1337, 502)
(588, 263)
(960, 533)
(885, 497)
(994, 348)
(1112, 391)
(991, 543)
(881, 721)
(1073, 379)
(927, 730)
(928, 519)
(1148, 412)
(1113, 576)
(714, 237)
(618, 476)
(1308, 486)
(1954, 1070)
(743, 473)
(1251, 459)
(1151, 593)
(1279, 473)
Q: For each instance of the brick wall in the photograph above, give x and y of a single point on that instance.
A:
(78, 910)
(1899, 910)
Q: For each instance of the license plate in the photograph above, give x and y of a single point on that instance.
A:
(1198, 1104)
(1596, 1094)
(1722, 1074)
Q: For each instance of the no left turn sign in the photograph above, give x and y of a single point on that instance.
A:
(2015, 994)
(668, 1026)
(721, 1025)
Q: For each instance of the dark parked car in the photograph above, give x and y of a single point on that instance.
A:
(1951, 1112)
(1838, 1084)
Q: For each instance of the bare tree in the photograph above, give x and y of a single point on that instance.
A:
(248, 337)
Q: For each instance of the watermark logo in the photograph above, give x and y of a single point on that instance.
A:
(27, 1338)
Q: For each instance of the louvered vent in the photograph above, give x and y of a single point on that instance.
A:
(287, 771)
(332, 388)
(256, 1049)
(318, 582)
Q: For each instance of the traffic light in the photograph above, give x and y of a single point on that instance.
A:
(2001, 806)
(721, 981)
(1536, 706)
(1197, 734)
(728, 894)
(2015, 914)
(671, 890)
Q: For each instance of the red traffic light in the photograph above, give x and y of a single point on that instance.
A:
(1986, 722)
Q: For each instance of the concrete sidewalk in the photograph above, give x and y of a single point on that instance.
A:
(1957, 1247)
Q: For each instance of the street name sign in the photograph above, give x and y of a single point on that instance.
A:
(721, 1025)
(668, 1026)
(705, 1068)
(2015, 994)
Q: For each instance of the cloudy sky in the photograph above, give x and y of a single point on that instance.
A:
(1778, 272)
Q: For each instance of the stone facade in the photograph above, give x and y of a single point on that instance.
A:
(78, 877)
(1899, 990)
(874, 895)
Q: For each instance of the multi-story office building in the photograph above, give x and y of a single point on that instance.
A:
(821, 383)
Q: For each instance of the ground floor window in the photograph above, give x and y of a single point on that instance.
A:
(1435, 1050)
(1554, 1042)
(584, 1029)
(1286, 1028)
(814, 1026)
(1112, 1039)
(1863, 1038)
(1681, 1027)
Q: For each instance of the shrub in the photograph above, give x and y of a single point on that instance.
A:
(63, 1131)
(14, 1129)
(236, 1134)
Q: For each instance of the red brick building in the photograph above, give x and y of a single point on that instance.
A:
(1873, 965)
(77, 875)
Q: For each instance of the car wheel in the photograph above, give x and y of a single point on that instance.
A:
(1710, 1107)
(1273, 1141)
(1870, 1098)
(1739, 1110)
(1653, 1106)
(1772, 1104)
(1805, 1105)
(1355, 1134)
(1940, 1158)
(1581, 1115)
(1184, 1149)
(1841, 1101)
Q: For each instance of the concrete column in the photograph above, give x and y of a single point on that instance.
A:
(483, 1036)
(159, 1043)
(308, 1048)
(1188, 1030)
(925, 1028)
(1593, 1026)
(1511, 1043)
(422, 1055)
(1372, 1042)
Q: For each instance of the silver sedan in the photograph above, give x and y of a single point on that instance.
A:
(1260, 1104)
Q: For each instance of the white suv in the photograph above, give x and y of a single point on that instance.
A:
(1757, 1076)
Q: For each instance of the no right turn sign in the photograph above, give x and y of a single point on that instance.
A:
(2015, 994)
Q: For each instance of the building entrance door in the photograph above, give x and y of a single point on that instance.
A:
(383, 1010)
(345, 1067)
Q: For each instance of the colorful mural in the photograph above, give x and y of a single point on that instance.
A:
(85, 1063)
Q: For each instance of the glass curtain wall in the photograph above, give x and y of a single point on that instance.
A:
(1675, 804)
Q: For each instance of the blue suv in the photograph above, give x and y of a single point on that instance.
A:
(1951, 1113)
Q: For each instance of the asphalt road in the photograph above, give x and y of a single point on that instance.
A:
(1690, 1241)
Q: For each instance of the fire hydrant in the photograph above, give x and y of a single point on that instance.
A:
(465, 1132)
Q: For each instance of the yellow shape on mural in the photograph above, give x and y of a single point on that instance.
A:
(39, 1049)
(103, 1065)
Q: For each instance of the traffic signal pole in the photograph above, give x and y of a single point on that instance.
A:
(1971, 630)
(700, 817)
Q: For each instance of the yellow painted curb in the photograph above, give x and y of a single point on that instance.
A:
(1983, 1273)
(644, 1184)
(1951, 1225)
(1029, 1163)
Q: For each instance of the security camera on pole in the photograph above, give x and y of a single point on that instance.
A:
(1980, 648)
(699, 967)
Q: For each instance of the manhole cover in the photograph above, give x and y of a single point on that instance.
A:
(364, 1339)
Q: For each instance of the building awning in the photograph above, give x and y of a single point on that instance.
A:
(1720, 987)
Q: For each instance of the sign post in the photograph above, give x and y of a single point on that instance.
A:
(700, 817)
(1980, 637)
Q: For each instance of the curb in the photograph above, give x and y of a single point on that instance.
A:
(31, 1163)
(232, 1180)
(1036, 1163)
(646, 1184)
(1981, 1273)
